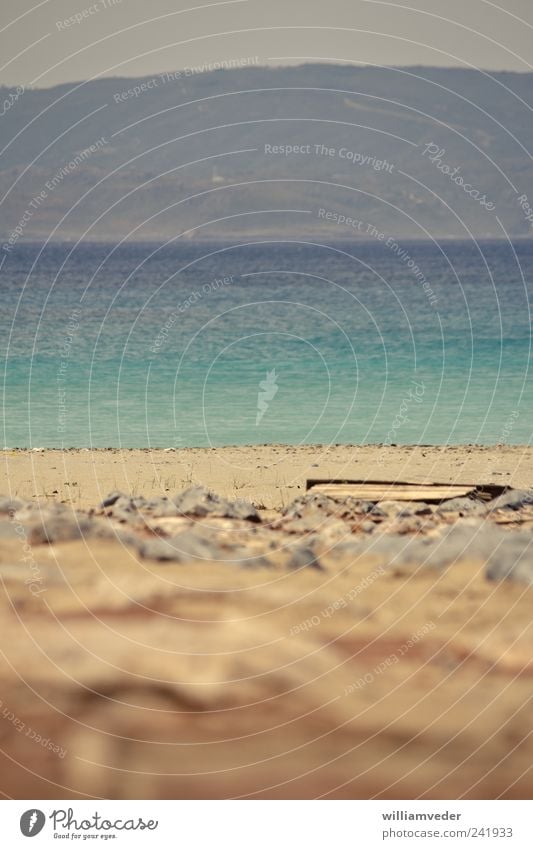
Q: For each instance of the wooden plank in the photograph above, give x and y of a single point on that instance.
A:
(312, 481)
(391, 494)
(388, 488)
(406, 489)
(392, 490)
(430, 491)
(399, 488)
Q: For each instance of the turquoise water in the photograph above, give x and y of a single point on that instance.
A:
(148, 346)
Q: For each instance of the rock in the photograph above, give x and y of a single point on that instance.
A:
(314, 502)
(243, 558)
(313, 521)
(242, 509)
(352, 507)
(311, 501)
(416, 508)
(58, 529)
(160, 508)
(126, 509)
(112, 498)
(189, 545)
(9, 505)
(303, 556)
(198, 501)
(33, 511)
(512, 560)
(104, 529)
(386, 547)
(333, 530)
(514, 499)
(463, 506)
(391, 508)
(198, 545)
(461, 541)
(159, 549)
(406, 525)
(457, 542)
(138, 501)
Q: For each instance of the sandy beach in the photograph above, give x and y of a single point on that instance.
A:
(268, 475)
(169, 646)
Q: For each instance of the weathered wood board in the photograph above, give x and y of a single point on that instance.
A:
(427, 491)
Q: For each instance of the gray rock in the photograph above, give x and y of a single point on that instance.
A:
(456, 542)
(104, 529)
(416, 508)
(396, 549)
(311, 501)
(58, 529)
(388, 548)
(198, 545)
(159, 549)
(464, 506)
(512, 560)
(312, 521)
(33, 511)
(9, 505)
(514, 499)
(126, 509)
(392, 508)
(189, 545)
(303, 556)
(349, 507)
(242, 557)
(316, 502)
(475, 541)
(160, 508)
(243, 509)
(112, 498)
(406, 524)
(197, 501)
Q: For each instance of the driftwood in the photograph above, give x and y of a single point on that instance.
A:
(429, 492)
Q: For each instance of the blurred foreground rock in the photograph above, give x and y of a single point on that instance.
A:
(193, 648)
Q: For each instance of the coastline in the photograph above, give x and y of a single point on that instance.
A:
(268, 475)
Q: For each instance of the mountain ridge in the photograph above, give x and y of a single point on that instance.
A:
(213, 145)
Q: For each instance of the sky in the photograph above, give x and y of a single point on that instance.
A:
(56, 41)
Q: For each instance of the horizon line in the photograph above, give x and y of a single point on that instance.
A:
(353, 64)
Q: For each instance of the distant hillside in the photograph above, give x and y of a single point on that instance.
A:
(413, 152)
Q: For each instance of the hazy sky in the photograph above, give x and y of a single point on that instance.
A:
(136, 38)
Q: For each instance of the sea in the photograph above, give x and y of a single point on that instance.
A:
(266, 341)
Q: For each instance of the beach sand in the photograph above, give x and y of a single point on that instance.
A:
(123, 676)
(272, 475)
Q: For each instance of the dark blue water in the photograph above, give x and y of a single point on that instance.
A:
(213, 344)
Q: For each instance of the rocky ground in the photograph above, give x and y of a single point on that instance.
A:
(193, 645)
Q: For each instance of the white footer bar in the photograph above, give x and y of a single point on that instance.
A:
(267, 824)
